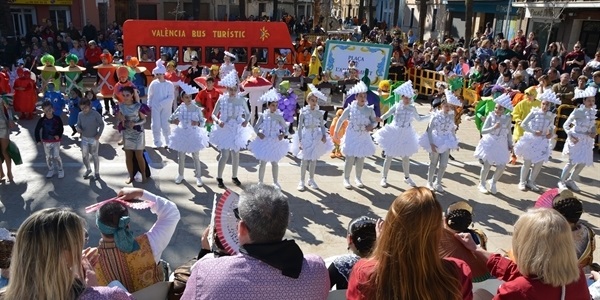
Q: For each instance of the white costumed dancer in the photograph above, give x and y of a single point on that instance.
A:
(399, 138)
(311, 140)
(357, 142)
(496, 144)
(189, 136)
(534, 146)
(161, 94)
(581, 130)
(439, 139)
(269, 144)
(227, 66)
(231, 133)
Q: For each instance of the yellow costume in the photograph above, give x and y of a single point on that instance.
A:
(314, 68)
(521, 111)
(336, 152)
(384, 92)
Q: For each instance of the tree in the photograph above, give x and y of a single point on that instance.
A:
(275, 10)
(422, 18)
(316, 13)
(397, 9)
(468, 22)
(178, 12)
(242, 7)
(6, 20)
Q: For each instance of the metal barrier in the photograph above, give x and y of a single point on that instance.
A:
(424, 82)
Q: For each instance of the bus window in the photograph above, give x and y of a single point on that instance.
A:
(190, 52)
(288, 54)
(169, 53)
(215, 55)
(240, 53)
(261, 54)
(146, 53)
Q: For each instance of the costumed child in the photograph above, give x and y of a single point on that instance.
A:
(74, 110)
(90, 126)
(314, 68)
(440, 139)
(399, 138)
(280, 72)
(73, 73)
(137, 74)
(255, 85)
(534, 146)
(207, 98)
(495, 145)
(269, 144)
(25, 95)
(487, 105)
(337, 140)
(123, 74)
(94, 101)
(580, 127)
(288, 103)
(231, 115)
(49, 72)
(56, 99)
(383, 91)
(48, 132)
(105, 81)
(521, 111)
(227, 66)
(172, 75)
(357, 142)
(311, 140)
(189, 136)
(6, 123)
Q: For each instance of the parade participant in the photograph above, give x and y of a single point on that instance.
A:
(581, 130)
(337, 139)
(440, 139)
(4, 80)
(399, 138)
(90, 125)
(48, 132)
(280, 72)
(357, 143)
(74, 110)
(215, 73)
(255, 86)
(137, 74)
(495, 145)
(288, 103)
(269, 144)
(6, 123)
(49, 71)
(172, 75)
(521, 111)
(207, 98)
(383, 91)
(455, 84)
(227, 66)
(94, 101)
(194, 71)
(311, 140)
(161, 95)
(123, 76)
(534, 146)
(105, 81)
(231, 114)
(486, 105)
(57, 99)
(73, 73)
(189, 136)
(24, 98)
(314, 68)
(132, 116)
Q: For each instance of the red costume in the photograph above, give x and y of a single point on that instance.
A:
(106, 80)
(4, 83)
(208, 99)
(25, 94)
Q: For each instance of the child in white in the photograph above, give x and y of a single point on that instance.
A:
(534, 146)
(357, 142)
(161, 95)
(399, 138)
(311, 140)
(269, 145)
(90, 125)
(439, 139)
(189, 136)
(581, 130)
(496, 144)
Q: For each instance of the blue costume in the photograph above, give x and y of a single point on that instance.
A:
(74, 111)
(58, 101)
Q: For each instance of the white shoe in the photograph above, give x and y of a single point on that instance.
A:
(439, 187)
(383, 182)
(312, 184)
(347, 184)
(87, 173)
(179, 179)
(482, 188)
(276, 185)
(359, 183)
(572, 186)
(493, 189)
(50, 174)
(199, 182)
(410, 182)
(562, 185)
(430, 186)
(532, 186)
(301, 186)
(61, 173)
(522, 186)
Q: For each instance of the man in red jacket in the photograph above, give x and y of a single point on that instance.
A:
(92, 56)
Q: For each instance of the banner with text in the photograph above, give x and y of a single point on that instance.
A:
(374, 57)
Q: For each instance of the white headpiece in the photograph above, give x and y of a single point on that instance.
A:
(5, 235)
(316, 92)
(441, 84)
(505, 101)
(406, 89)
(160, 68)
(358, 88)
(549, 96)
(452, 99)
(188, 89)
(590, 91)
(230, 80)
(227, 53)
(270, 96)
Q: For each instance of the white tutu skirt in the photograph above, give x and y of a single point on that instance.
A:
(269, 149)
(397, 141)
(189, 140)
(357, 144)
(493, 149)
(533, 148)
(582, 152)
(232, 136)
(312, 146)
(443, 143)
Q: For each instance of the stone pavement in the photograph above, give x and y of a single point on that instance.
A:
(319, 218)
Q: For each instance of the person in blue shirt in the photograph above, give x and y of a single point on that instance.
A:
(74, 110)
(95, 102)
(56, 98)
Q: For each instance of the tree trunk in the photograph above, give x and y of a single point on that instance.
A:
(275, 10)
(242, 8)
(468, 22)
(133, 9)
(371, 12)
(296, 17)
(361, 12)
(316, 13)
(397, 10)
(422, 19)
(6, 20)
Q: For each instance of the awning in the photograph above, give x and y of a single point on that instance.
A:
(488, 7)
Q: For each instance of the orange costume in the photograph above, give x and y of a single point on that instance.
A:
(106, 76)
(123, 75)
(336, 152)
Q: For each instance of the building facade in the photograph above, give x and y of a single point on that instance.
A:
(27, 13)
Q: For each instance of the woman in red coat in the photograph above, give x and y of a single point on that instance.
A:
(25, 94)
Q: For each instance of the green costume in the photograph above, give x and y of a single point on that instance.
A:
(49, 71)
(73, 74)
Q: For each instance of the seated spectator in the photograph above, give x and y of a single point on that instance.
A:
(564, 90)
(48, 263)
(267, 267)
(518, 83)
(575, 73)
(361, 239)
(405, 263)
(594, 64)
(544, 264)
(133, 261)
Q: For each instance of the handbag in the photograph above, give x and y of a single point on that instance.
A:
(14, 153)
(181, 276)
